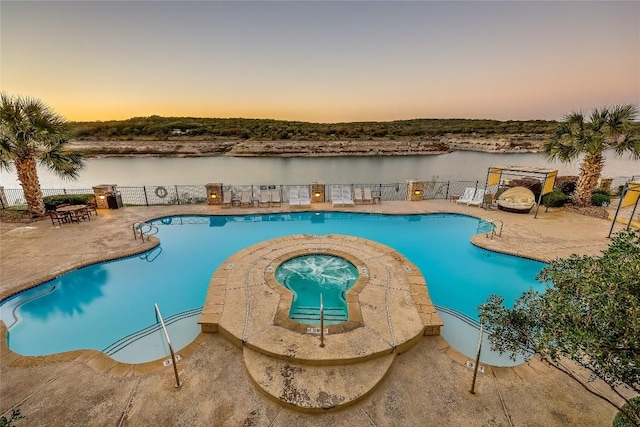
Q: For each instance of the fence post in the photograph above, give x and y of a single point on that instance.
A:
(146, 199)
(446, 196)
(177, 194)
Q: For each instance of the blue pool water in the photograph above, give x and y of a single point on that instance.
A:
(110, 306)
(310, 276)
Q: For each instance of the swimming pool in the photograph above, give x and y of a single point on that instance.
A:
(110, 306)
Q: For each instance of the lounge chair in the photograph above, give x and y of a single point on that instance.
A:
(275, 197)
(245, 199)
(336, 196)
(516, 200)
(357, 196)
(469, 192)
(478, 198)
(294, 196)
(265, 198)
(347, 198)
(227, 198)
(366, 195)
(305, 198)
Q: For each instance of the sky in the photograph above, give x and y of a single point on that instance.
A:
(325, 61)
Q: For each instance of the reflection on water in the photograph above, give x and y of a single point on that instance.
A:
(74, 292)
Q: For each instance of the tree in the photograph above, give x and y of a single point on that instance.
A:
(589, 313)
(31, 132)
(607, 128)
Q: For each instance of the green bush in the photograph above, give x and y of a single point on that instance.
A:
(52, 202)
(620, 420)
(555, 199)
(599, 198)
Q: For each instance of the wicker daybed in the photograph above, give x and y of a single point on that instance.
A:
(516, 200)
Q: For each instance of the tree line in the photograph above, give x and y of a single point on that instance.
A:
(267, 129)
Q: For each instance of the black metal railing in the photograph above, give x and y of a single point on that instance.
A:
(154, 195)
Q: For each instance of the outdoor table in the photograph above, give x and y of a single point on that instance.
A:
(72, 211)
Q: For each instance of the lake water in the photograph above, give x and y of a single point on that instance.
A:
(459, 165)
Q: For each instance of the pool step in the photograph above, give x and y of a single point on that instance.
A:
(312, 314)
(312, 388)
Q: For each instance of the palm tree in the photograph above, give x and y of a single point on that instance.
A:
(607, 128)
(31, 132)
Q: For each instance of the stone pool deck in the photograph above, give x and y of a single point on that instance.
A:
(426, 385)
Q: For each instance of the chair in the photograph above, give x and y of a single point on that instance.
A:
(516, 200)
(275, 197)
(91, 207)
(82, 214)
(366, 195)
(245, 199)
(469, 192)
(265, 198)
(478, 198)
(294, 196)
(227, 198)
(56, 218)
(347, 198)
(336, 196)
(357, 196)
(305, 197)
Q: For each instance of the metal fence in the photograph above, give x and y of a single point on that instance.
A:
(152, 195)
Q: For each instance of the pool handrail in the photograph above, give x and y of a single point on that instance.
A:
(143, 229)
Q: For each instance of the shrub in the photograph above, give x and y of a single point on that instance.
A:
(555, 199)
(620, 420)
(52, 202)
(600, 199)
(567, 184)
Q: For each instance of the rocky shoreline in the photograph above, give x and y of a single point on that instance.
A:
(191, 147)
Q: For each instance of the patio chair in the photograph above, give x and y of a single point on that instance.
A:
(265, 198)
(227, 198)
(305, 197)
(347, 198)
(245, 199)
(275, 197)
(57, 218)
(478, 198)
(294, 196)
(91, 207)
(336, 196)
(82, 214)
(357, 196)
(366, 195)
(469, 192)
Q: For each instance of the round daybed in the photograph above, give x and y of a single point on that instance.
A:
(516, 200)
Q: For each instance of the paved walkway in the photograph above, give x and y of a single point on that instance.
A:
(427, 385)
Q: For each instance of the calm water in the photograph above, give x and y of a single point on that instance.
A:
(459, 165)
(99, 305)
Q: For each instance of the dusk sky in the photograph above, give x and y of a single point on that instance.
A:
(322, 61)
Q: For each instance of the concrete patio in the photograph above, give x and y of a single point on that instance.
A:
(426, 385)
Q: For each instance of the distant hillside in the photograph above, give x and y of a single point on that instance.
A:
(164, 128)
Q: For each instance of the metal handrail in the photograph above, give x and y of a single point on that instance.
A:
(321, 322)
(495, 223)
(143, 229)
(173, 356)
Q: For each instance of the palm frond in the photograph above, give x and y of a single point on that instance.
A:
(67, 165)
(629, 144)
